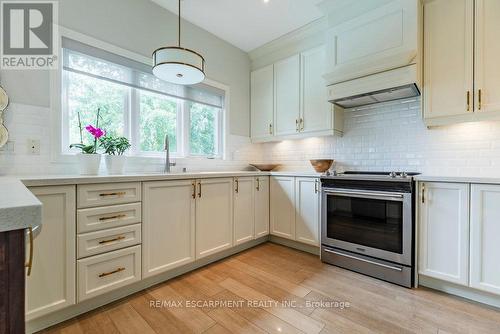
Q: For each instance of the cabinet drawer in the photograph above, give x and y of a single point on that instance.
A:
(106, 272)
(90, 195)
(94, 219)
(108, 240)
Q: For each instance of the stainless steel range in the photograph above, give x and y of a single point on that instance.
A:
(367, 224)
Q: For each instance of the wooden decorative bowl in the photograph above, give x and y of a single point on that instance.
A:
(322, 165)
(265, 167)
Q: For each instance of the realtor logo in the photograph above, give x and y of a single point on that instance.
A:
(28, 35)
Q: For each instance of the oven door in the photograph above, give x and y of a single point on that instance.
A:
(372, 223)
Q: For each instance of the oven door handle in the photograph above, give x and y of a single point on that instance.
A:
(365, 194)
(364, 260)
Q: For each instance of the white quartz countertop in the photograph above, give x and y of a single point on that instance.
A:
(19, 208)
(459, 179)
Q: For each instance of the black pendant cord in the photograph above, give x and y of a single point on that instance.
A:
(179, 40)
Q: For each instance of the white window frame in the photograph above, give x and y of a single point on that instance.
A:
(60, 155)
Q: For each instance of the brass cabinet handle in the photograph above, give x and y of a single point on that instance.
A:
(316, 186)
(121, 237)
(468, 101)
(237, 190)
(120, 193)
(112, 272)
(270, 129)
(479, 100)
(112, 217)
(199, 189)
(29, 264)
(297, 128)
(301, 124)
(194, 190)
(423, 193)
(258, 184)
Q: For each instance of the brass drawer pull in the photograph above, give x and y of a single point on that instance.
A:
(468, 101)
(297, 127)
(480, 100)
(29, 264)
(120, 193)
(112, 272)
(270, 129)
(258, 184)
(423, 193)
(121, 237)
(237, 190)
(199, 189)
(301, 124)
(112, 217)
(194, 189)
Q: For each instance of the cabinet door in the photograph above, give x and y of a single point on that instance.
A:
(316, 111)
(244, 223)
(262, 102)
(444, 231)
(307, 210)
(287, 95)
(283, 207)
(378, 40)
(261, 206)
(484, 245)
(214, 216)
(487, 67)
(168, 228)
(448, 58)
(51, 285)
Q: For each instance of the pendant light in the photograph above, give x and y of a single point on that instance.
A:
(178, 65)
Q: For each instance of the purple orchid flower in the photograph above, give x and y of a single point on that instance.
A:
(96, 132)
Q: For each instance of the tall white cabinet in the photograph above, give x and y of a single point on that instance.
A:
(444, 231)
(169, 218)
(287, 96)
(52, 283)
(484, 238)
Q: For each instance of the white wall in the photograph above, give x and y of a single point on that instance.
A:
(392, 136)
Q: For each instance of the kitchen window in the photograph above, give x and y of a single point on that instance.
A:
(137, 105)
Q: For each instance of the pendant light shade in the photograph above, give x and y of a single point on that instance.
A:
(178, 65)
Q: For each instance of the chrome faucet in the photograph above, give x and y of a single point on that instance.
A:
(168, 164)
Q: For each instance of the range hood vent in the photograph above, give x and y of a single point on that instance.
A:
(396, 84)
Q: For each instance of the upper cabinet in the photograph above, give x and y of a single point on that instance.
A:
(376, 40)
(262, 102)
(289, 99)
(461, 71)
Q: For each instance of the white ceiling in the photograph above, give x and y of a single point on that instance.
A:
(247, 24)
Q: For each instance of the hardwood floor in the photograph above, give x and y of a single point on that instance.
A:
(257, 281)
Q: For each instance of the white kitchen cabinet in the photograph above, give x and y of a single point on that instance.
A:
(484, 234)
(283, 206)
(487, 49)
(448, 60)
(214, 216)
(244, 214)
(377, 40)
(168, 225)
(307, 210)
(262, 102)
(444, 231)
(287, 96)
(261, 206)
(51, 285)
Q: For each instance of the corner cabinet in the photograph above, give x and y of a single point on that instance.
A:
(283, 206)
(461, 69)
(168, 225)
(289, 100)
(52, 283)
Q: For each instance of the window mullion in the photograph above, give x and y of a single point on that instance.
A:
(186, 128)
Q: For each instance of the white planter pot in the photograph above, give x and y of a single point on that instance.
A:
(89, 163)
(115, 164)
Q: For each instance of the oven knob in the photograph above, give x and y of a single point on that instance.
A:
(403, 175)
(393, 174)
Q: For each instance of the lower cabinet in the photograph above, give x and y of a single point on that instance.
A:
(244, 213)
(307, 214)
(261, 206)
(51, 285)
(283, 206)
(295, 210)
(168, 225)
(444, 231)
(214, 216)
(484, 238)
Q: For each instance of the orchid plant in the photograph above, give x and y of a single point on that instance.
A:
(96, 133)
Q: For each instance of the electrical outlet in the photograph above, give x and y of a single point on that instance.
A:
(33, 146)
(8, 148)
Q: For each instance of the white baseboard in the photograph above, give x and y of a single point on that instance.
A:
(294, 244)
(461, 291)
